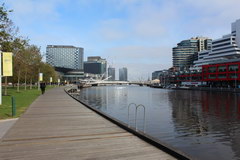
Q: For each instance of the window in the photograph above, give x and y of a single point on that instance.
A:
(222, 68)
(221, 45)
(233, 75)
(212, 69)
(220, 41)
(212, 76)
(233, 67)
(221, 76)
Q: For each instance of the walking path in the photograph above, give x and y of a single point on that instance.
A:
(5, 125)
(57, 127)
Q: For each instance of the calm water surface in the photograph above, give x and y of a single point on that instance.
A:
(205, 125)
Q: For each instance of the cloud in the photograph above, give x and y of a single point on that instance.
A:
(112, 29)
(142, 20)
(143, 54)
(151, 20)
(31, 11)
(212, 18)
(141, 61)
(42, 21)
(211, 6)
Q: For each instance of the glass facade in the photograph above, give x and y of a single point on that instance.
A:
(111, 72)
(96, 65)
(65, 56)
(93, 67)
(123, 75)
(186, 51)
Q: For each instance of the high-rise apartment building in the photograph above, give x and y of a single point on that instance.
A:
(123, 74)
(96, 65)
(186, 51)
(225, 49)
(65, 56)
(111, 73)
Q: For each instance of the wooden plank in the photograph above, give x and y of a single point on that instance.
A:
(58, 127)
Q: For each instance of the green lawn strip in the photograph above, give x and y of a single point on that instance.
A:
(23, 99)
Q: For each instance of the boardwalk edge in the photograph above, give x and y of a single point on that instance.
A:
(147, 138)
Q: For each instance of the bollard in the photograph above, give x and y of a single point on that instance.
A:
(13, 106)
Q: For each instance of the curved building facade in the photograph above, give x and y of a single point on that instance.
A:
(65, 56)
(186, 51)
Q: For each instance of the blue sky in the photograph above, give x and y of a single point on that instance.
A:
(137, 34)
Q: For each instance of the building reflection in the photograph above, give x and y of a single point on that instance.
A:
(186, 112)
(95, 96)
(207, 114)
(110, 99)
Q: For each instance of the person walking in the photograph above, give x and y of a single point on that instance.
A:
(43, 86)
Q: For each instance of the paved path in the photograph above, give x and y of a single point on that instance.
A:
(5, 125)
(56, 127)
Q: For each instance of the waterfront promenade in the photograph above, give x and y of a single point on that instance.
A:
(57, 127)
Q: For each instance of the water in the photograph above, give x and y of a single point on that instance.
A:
(205, 125)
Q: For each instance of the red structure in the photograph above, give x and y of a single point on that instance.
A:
(222, 74)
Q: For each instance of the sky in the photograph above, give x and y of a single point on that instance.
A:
(137, 34)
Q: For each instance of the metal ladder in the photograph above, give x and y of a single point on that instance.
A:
(136, 109)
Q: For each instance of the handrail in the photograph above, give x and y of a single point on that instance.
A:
(136, 111)
(140, 105)
(128, 111)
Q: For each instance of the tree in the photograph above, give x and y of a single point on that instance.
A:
(8, 40)
(48, 71)
(18, 66)
(27, 59)
(26, 64)
(7, 30)
(17, 48)
(33, 57)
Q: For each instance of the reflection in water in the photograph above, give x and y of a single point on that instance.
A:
(202, 124)
(207, 119)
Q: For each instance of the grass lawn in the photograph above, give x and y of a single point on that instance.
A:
(23, 99)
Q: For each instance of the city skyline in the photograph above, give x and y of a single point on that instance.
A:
(138, 34)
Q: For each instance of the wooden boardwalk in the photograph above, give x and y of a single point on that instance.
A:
(56, 127)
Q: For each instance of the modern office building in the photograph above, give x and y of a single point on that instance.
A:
(65, 56)
(123, 74)
(111, 73)
(96, 65)
(67, 61)
(225, 49)
(186, 51)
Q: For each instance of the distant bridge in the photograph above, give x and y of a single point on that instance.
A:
(103, 82)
